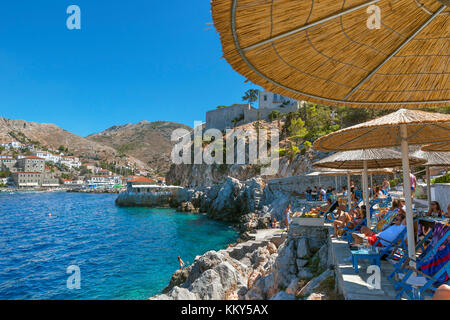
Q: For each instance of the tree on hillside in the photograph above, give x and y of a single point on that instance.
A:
(297, 130)
(251, 96)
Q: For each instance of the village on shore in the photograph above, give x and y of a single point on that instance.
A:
(23, 168)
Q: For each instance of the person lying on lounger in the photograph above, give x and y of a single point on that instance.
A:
(386, 237)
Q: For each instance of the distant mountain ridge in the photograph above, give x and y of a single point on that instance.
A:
(147, 141)
(51, 136)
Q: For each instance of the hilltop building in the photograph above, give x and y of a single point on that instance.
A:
(238, 114)
(7, 163)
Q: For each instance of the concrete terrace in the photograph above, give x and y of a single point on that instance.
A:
(354, 285)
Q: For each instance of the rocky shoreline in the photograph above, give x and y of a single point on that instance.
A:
(280, 266)
(277, 266)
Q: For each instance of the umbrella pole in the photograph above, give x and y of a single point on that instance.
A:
(429, 186)
(407, 192)
(366, 193)
(349, 194)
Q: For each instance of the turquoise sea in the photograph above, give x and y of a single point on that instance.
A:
(122, 253)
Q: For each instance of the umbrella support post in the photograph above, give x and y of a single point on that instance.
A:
(349, 193)
(407, 192)
(366, 193)
(429, 187)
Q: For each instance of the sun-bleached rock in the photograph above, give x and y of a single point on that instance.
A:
(314, 283)
(302, 248)
(301, 263)
(283, 296)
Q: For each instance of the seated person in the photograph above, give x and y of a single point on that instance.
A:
(435, 210)
(386, 237)
(308, 194)
(443, 292)
(275, 224)
(344, 191)
(322, 194)
(396, 205)
(351, 220)
(328, 207)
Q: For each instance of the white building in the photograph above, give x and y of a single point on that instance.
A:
(71, 162)
(238, 114)
(104, 181)
(270, 100)
(47, 156)
(13, 145)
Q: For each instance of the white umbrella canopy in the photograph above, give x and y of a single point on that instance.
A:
(434, 159)
(400, 128)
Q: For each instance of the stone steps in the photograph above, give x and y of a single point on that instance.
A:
(238, 252)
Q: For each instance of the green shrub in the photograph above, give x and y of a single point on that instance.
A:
(282, 152)
(443, 179)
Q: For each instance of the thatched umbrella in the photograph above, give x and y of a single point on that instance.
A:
(399, 128)
(434, 159)
(325, 52)
(366, 159)
(437, 147)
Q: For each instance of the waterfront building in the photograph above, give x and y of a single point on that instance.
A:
(31, 164)
(34, 179)
(26, 179)
(101, 181)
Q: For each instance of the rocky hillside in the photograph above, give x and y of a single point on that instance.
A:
(146, 141)
(50, 136)
(194, 175)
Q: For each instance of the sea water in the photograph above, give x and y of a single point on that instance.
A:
(122, 253)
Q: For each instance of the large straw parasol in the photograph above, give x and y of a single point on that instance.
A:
(328, 51)
(437, 147)
(366, 159)
(434, 159)
(399, 128)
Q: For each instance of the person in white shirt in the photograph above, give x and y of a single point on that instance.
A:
(386, 237)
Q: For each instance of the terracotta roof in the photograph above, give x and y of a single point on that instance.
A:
(141, 179)
(34, 157)
(27, 172)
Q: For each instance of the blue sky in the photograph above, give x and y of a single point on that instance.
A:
(132, 60)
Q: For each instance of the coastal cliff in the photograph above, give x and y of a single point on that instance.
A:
(209, 175)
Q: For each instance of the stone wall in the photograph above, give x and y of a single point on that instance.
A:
(222, 119)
